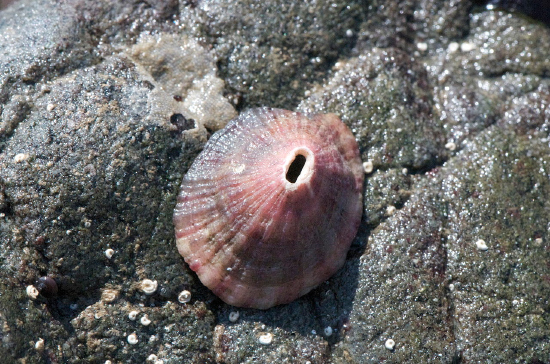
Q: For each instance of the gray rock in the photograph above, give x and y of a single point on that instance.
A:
(275, 45)
(499, 293)
(79, 178)
(403, 24)
(104, 105)
(385, 98)
(37, 43)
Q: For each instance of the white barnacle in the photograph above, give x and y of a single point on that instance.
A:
(184, 296)
(390, 210)
(328, 331)
(368, 166)
(32, 292)
(109, 295)
(21, 157)
(132, 339)
(450, 146)
(265, 339)
(481, 245)
(389, 344)
(422, 46)
(234, 316)
(453, 47)
(109, 253)
(148, 286)
(39, 345)
(133, 315)
(467, 46)
(145, 320)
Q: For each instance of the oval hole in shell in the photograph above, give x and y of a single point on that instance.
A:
(298, 167)
(295, 168)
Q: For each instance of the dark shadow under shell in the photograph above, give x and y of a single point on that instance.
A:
(268, 210)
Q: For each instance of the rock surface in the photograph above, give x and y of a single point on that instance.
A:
(105, 104)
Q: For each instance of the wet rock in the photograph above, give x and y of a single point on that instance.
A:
(172, 333)
(271, 52)
(105, 104)
(476, 77)
(405, 24)
(384, 192)
(79, 175)
(404, 266)
(385, 98)
(244, 342)
(37, 43)
(537, 9)
(530, 114)
(466, 111)
(500, 43)
(499, 294)
(432, 273)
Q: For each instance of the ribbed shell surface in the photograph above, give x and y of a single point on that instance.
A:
(254, 237)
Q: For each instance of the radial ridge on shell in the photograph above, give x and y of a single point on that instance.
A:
(269, 208)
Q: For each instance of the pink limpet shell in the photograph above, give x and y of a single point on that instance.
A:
(270, 207)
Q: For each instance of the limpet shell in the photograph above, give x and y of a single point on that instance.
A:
(268, 210)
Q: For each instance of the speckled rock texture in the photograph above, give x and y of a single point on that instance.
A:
(105, 104)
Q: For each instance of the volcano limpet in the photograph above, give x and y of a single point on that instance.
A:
(268, 210)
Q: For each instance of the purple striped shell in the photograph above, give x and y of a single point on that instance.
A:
(269, 209)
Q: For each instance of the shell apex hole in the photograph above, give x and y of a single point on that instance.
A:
(295, 168)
